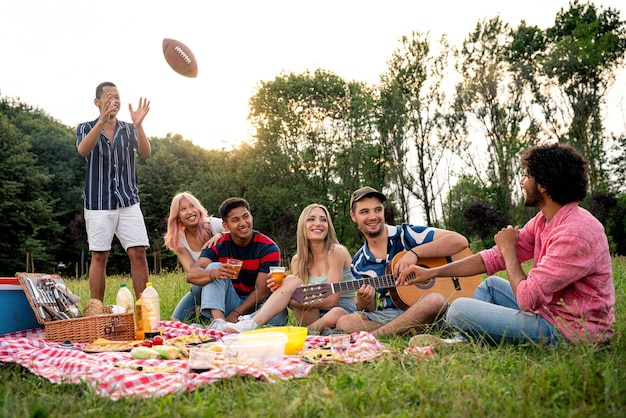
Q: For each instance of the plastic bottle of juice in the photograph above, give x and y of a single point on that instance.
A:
(124, 298)
(151, 309)
(139, 333)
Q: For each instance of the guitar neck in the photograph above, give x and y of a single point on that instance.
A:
(402, 296)
(381, 282)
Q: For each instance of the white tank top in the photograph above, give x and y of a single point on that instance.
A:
(215, 226)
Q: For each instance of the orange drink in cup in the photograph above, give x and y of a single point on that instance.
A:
(278, 274)
(236, 264)
(201, 360)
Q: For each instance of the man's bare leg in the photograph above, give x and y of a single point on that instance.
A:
(357, 322)
(138, 268)
(329, 320)
(97, 274)
(417, 317)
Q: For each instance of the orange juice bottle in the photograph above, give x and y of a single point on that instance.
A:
(151, 310)
(139, 333)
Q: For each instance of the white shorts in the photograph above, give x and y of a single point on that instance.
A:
(126, 223)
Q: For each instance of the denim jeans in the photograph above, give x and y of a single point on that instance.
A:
(185, 310)
(220, 295)
(347, 304)
(494, 314)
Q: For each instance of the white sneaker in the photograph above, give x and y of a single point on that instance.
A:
(241, 326)
(454, 340)
(217, 324)
(423, 340)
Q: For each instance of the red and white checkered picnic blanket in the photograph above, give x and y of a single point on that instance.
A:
(100, 373)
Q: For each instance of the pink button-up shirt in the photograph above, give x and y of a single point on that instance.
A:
(571, 281)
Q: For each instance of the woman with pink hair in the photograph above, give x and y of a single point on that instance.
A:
(189, 229)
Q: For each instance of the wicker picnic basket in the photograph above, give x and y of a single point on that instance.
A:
(115, 327)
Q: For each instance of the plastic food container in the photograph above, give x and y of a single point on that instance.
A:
(260, 350)
(296, 336)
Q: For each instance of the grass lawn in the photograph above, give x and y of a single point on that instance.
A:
(461, 381)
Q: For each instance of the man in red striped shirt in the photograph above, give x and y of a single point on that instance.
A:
(227, 295)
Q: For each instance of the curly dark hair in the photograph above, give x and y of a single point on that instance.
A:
(560, 169)
(230, 204)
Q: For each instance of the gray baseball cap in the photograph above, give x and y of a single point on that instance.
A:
(366, 192)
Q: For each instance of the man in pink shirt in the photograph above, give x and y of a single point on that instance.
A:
(568, 294)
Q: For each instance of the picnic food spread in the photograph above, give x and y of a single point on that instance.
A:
(101, 349)
(116, 374)
(107, 347)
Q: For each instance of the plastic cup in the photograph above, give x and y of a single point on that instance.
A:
(200, 360)
(278, 274)
(339, 343)
(236, 264)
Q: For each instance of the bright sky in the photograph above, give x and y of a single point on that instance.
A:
(55, 52)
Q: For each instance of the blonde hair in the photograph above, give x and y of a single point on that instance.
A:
(303, 251)
(175, 227)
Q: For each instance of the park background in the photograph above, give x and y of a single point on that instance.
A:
(440, 134)
(448, 160)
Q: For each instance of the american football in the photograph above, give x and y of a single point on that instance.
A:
(180, 57)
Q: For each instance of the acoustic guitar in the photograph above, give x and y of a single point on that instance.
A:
(402, 296)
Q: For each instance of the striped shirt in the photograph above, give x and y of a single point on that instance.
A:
(401, 238)
(111, 176)
(257, 257)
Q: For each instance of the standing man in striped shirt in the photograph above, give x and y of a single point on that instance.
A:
(111, 198)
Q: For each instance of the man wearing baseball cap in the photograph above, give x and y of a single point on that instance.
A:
(382, 243)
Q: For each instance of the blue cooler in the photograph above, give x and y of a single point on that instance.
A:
(17, 314)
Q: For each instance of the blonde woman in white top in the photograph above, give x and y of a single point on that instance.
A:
(320, 257)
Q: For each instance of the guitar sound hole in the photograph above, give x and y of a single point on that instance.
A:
(427, 285)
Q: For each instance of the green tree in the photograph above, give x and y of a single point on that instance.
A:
(468, 189)
(493, 97)
(412, 121)
(178, 165)
(54, 146)
(315, 142)
(618, 164)
(577, 62)
(26, 207)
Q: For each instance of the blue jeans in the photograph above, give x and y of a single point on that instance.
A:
(185, 310)
(494, 315)
(220, 295)
(348, 305)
